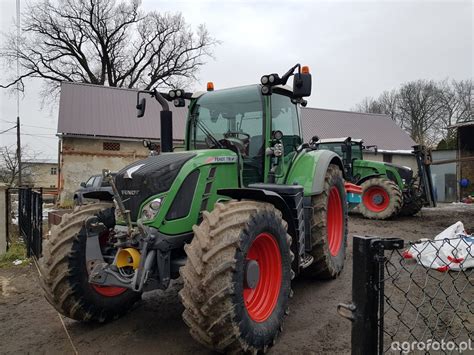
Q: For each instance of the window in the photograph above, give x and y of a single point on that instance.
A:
(387, 158)
(115, 146)
(54, 171)
(285, 119)
(90, 182)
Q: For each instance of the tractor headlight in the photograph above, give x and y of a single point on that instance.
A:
(151, 209)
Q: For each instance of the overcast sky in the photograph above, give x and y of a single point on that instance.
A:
(354, 49)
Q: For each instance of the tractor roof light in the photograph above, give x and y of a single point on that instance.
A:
(172, 94)
(264, 80)
(210, 86)
(305, 69)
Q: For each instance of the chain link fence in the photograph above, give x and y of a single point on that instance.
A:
(412, 297)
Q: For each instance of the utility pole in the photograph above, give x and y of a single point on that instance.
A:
(18, 135)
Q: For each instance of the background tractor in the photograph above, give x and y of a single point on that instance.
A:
(388, 189)
(245, 208)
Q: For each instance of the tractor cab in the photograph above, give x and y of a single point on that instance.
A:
(248, 123)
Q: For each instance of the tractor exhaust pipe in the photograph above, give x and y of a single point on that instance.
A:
(166, 118)
(166, 124)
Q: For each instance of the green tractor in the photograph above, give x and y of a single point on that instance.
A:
(388, 189)
(243, 210)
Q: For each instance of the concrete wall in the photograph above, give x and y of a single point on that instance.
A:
(40, 175)
(444, 176)
(83, 157)
(399, 159)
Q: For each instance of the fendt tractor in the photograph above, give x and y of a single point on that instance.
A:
(245, 208)
(388, 189)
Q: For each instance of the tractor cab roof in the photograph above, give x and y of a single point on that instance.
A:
(339, 140)
(284, 89)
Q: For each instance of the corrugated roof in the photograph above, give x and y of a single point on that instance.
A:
(92, 110)
(374, 129)
(107, 111)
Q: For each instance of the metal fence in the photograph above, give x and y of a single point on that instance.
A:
(30, 219)
(405, 303)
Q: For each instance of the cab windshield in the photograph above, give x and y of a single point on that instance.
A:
(231, 117)
(231, 113)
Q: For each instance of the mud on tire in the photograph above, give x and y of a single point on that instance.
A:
(325, 264)
(213, 294)
(64, 276)
(390, 199)
(411, 208)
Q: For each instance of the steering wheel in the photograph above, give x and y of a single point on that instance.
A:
(236, 134)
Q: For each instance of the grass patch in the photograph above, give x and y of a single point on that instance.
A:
(16, 251)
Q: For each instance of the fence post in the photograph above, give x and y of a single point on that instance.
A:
(3, 214)
(364, 297)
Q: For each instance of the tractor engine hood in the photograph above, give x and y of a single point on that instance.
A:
(148, 177)
(405, 172)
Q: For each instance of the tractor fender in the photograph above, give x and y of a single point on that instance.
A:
(309, 170)
(263, 196)
(368, 177)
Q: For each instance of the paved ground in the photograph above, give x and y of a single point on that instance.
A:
(30, 325)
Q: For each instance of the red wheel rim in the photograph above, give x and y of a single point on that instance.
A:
(376, 199)
(335, 221)
(107, 291)
(261, 300)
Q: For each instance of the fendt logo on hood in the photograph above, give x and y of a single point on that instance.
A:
(130, 192)
(224, 159)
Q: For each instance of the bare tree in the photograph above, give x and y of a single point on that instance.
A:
(420, 110)
(425, 109)
(9, 166)
(106, 42)
(386, 103)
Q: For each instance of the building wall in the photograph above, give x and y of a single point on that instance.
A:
(83, 157)
(41, 174)
(399, 159)
(466, 150)
(444, 176)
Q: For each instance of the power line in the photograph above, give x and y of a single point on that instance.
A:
(8, 129)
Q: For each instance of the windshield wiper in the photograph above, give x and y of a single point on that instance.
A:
(206, 131)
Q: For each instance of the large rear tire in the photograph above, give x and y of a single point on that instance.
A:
(64, 276)
(224, 309)
(329, 227)
(381, 199)
(411, 208)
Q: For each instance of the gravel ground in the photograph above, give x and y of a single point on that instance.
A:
(30, 325)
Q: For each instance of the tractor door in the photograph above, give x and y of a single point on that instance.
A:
(284, 118)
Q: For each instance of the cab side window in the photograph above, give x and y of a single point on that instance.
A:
(285, 119)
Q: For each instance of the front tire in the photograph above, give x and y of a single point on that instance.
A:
(381, 199)
(64, 276)
(223, 309)
(329, 227)
(411, 208)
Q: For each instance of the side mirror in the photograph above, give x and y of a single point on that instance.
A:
(302, 85)
(83, 184)
(344, 148)
(141, 108)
